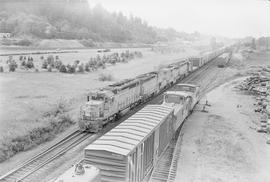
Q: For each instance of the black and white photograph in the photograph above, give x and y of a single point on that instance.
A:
(134, 90)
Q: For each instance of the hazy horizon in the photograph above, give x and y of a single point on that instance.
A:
(229, 18)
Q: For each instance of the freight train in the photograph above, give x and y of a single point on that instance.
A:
(129, 152)
(106, 104)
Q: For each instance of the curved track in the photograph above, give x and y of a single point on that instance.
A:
(30, 167)
(165, 170)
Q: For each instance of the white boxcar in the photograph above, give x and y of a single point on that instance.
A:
(130, 150)
(197, 61)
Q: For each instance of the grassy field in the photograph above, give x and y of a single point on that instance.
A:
(26, 96)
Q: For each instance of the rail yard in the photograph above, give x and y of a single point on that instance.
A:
(203, 76)
(134, 91)
(150, 128)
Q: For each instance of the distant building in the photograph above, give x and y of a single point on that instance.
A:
(5, 35)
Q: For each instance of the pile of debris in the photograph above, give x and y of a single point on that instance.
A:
(259, 86)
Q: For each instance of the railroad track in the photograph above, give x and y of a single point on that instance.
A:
(28, 168)
(166, 168)
(45, 157)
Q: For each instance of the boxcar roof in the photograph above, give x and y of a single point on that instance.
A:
(126, 136)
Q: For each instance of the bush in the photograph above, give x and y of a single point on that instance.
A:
(23, 63)
(50, 60)
(63, 69)
(30, 64)
(105, 77)
(87, 67)
(12, 66)
(81, 68)
(44, 64)
(71, 69)
(49, 69)
(87, 42)
(55, 125)
(24, 42)
(76, 62)
(1, 69)
(57, 64)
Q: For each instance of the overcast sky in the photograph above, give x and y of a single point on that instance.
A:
(232, 18)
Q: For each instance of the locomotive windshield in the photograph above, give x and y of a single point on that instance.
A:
(97, 97)
(186, 88)
(174, 99)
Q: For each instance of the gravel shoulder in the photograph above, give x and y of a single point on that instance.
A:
(223, 144)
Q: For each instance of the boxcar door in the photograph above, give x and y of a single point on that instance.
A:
(156, 145)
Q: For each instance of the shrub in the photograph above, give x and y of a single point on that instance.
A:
(71, 69)
(50, 60)
(55, 125)
(81, 68)
(44, 64)
(63, 69)
(24, 42)
(105, 77)
(49, 69)
(23, 63)
(58, 64)
(36, 70)
(1, 69)
(12, 66)
(77, 62)
(87, 67)
(87, 42)
(30, 64)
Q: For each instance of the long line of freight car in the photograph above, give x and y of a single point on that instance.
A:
(130, 151)
(107, 104)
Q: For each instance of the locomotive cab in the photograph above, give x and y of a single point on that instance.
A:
(193, 90)
(181, 102)
(95, 109)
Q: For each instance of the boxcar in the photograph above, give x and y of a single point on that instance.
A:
(196, 61)
(129, 151)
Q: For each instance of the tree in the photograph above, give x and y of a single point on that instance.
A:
(63, 69)
(81, 68)
(12, 66)
(30, 64)
(71, 69)
(44, 64)
(87, 67)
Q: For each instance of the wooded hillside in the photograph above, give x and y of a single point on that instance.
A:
(66, 19)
